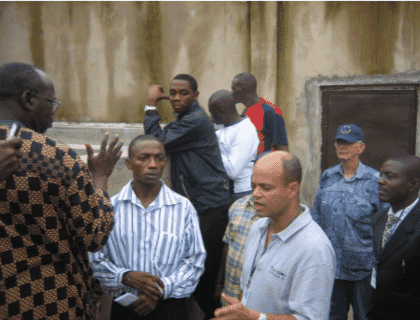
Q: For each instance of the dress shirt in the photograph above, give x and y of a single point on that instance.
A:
(164, 240)
(242, 215)
(238, 145)
(294, 275)
(401, 214)
(344, 209)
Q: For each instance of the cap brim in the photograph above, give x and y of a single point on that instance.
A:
(345, 137)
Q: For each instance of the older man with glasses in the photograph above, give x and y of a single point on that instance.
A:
(52, 209)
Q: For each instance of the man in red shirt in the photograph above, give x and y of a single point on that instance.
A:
(265, 115)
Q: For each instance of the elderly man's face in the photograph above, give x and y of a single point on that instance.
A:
(347, 151)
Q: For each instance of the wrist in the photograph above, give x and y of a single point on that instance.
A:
(151, 102)
(126, 279)
(262, 316)
(149, 107)
(253, 314)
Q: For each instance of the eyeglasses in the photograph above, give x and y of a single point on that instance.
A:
(55, 103)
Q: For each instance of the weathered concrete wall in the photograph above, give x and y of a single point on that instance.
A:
(336, 39)
(102, 56)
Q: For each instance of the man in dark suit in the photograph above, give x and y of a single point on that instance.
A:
(396, 240)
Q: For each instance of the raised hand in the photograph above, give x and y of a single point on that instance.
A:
(155, 94)
(102, 164)
(234, 310)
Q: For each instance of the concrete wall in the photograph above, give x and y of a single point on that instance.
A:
(102, 56)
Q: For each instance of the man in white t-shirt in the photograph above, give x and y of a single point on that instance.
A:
(238, 142)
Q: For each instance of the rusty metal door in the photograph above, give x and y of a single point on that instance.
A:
(387, 115)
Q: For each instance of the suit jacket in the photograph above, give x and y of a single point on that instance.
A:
(397, 294)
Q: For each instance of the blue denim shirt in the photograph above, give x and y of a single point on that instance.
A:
(344, 209)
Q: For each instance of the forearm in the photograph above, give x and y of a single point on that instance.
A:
(182, 282)
(152, 123)
(109, 274)
(91, 214)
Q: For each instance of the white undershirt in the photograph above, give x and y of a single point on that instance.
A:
(238, 145)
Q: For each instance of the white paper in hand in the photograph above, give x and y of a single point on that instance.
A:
(126, 299)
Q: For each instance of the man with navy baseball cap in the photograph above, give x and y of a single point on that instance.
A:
(350, 133)
(345, 202)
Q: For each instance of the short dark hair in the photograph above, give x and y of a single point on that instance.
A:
(143, 137)
(247, 81)
(17, 77)
(411, 163)
(292, 170)
(223, 96)
(190, 79)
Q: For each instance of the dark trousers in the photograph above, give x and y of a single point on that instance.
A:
(213, 224)
(356, 293)
(169, 309)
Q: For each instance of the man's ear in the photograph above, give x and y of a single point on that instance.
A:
(294, 188)
(362, 147)
(196, 94)
(414, 184)
(28, 101)
(129, 164)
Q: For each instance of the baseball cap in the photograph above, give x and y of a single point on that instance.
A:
(350, 133)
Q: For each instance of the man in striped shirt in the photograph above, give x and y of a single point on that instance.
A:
(155, 250)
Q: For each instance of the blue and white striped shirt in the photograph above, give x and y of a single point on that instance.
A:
(164, 240)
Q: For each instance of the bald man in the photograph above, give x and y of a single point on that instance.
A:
(289, 265)
(238, 142)
(265, 115)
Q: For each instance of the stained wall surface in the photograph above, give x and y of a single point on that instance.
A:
(102, 56)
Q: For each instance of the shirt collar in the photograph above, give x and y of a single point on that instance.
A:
(401, 214)
(291, 229)
(249, 201)
(361, 170)
(165, 197)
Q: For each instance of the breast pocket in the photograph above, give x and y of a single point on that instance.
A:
(359, 210)
(358, 234)
(167, 250)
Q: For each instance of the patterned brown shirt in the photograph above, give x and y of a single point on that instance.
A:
(50, 216)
